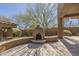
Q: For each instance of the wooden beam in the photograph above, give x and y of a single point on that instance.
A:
(71, 15)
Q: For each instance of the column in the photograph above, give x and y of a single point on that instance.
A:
(60, 28)
(60, 20)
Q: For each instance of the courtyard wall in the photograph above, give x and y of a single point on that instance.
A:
(51, 31)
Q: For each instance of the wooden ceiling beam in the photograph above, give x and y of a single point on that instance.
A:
(71, 15)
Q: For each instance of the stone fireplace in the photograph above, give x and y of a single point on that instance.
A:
(38, 34)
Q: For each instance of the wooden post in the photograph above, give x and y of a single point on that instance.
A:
(60, 28)
(60, 21)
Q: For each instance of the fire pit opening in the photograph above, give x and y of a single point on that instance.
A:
(38, 36)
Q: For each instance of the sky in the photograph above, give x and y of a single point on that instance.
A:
(11, 9)
(72, 22)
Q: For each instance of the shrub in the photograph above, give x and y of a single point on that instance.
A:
(67, 32)
(16, 32)
(77, 33)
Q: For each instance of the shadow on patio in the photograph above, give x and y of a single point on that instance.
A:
(72, 45)
(34, 45)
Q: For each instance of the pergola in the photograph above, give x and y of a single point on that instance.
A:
(66, 10)
(6, 29)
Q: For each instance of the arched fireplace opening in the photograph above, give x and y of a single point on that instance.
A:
(38, 36)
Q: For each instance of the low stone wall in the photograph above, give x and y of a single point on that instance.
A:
(51, 39)
(13, 42)
(22, 40)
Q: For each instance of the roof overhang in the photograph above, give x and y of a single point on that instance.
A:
(4, 24)
(69, 10)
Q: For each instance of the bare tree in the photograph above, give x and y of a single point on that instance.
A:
(39, 14)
